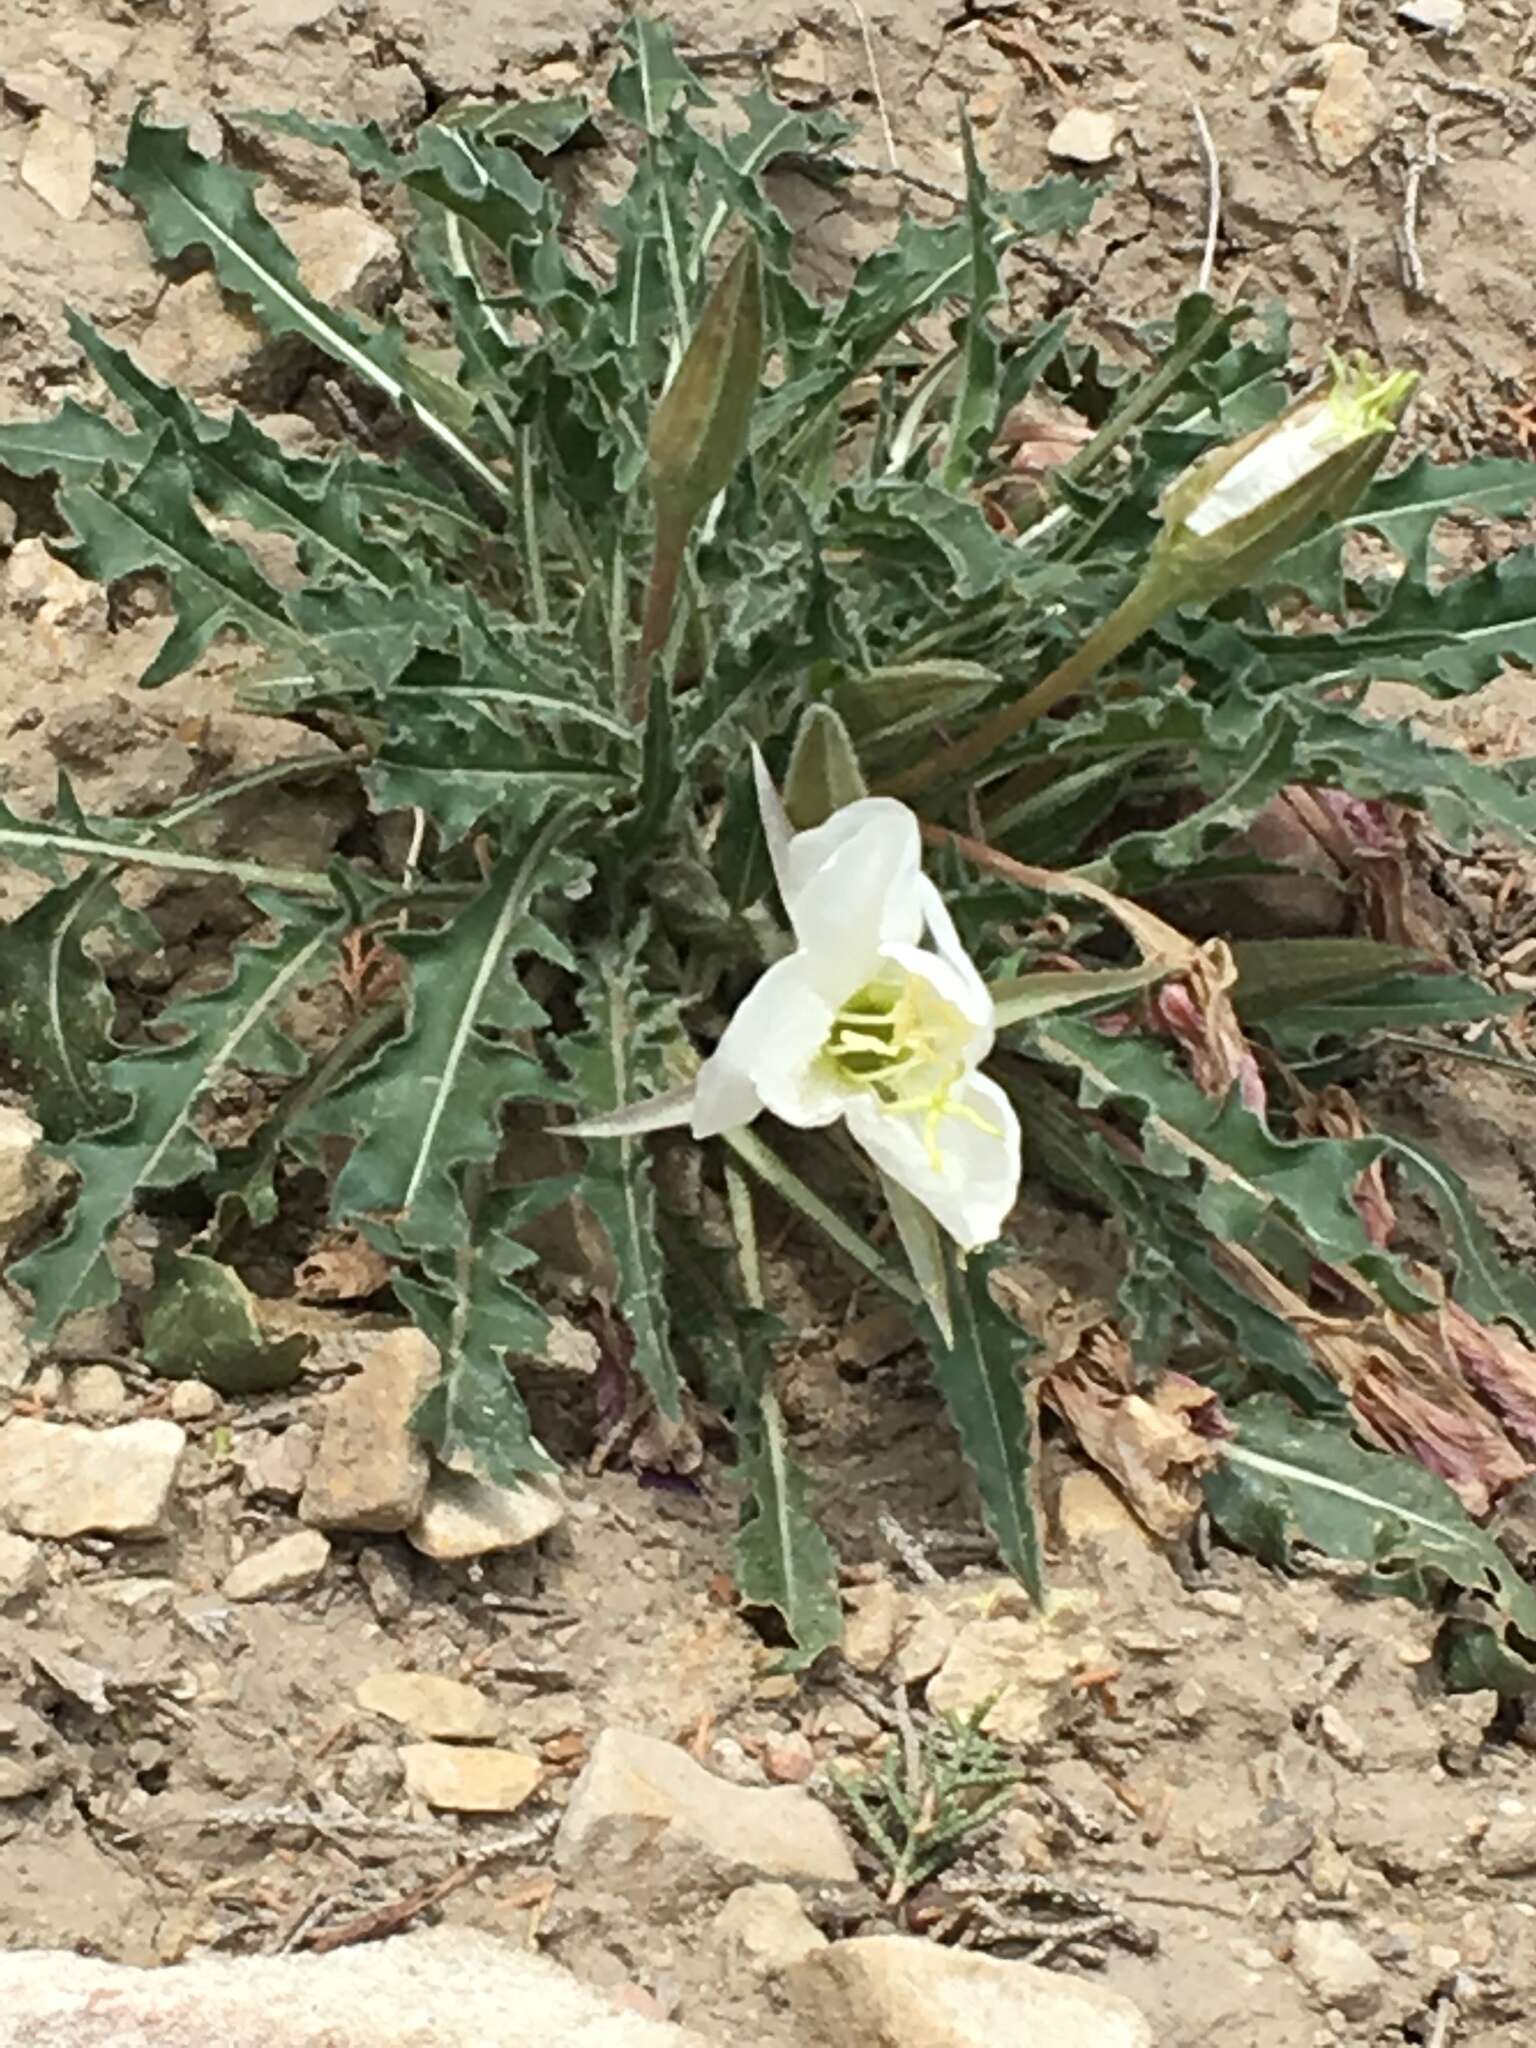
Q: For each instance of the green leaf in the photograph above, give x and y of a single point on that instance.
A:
(978, 1373)
(240, 472)
(430, 1101)
(156, 1144)
(151, 525)
(75, 446)
(783, 1560)
(617, 1061)
(1287, 1480)
(699, 430)
(189, 202)
(1486, 1283)
(1405, 509)
(201, 1323)
(467, 1302)
(974, 420)
(1275, 975)
(464, 765)
(1405, 1002)
(651, 83)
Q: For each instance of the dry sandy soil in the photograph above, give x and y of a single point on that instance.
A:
(1237, 1769)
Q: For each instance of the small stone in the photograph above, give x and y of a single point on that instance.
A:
(1337, 1970)
(869, 1633)
(370, 1776)
(97, 1393)
(1434, 17)
(60, 1479)
(1191, 1700)
(192, 1401)
(442, 1709)
(21, 1568)
(470, 1780)
(1329, 1871)
(638, 1796)
(1309, 23)
(790, 1760)
(59, 163)
(198, 339)
(899, 1991)
(1217, 1600)
(15, 1351)
(1508, 1849)
(926, 1643)
(290, 1565)
(344, 258)
(1082, 136)
(370, 1472)
(386, 1577)
(1350, 111)
(765, 1929)
(1339, 1736)
(467, 1517)
(279, 1464)
(28, 1179)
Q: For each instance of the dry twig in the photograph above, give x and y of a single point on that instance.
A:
(1213, 195)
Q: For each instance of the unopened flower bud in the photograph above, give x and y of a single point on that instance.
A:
(1238, 508)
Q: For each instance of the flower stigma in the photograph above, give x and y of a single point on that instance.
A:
(902, 1042)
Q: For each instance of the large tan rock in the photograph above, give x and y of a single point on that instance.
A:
(463, 1780)
(438, 1709)
(370, 1471)
(896, 1991)
(61, 1479)
(465, 1517)
(449, 1988)
(639, 1796)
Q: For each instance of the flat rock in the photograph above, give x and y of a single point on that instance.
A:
(448, 1988)
(193, 1401)
(442, 1709)
(287, 1566)
(61, 1479)
(639, 1796)
(1508, 1847)
(897, 1991)
(764, 1929)
(869, 1632)
(1337, 1970)
(97, 1393)
(462, 1780)
(21, 1568)
(1084, 136)
(1434, 17)
(198, 339)
(370, 1471)
(59, 163)
(468, 1517)
(1349, 112)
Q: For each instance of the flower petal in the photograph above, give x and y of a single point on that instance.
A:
(660, 1113)
(768, 1056)
(976, 1181)
(852, 885)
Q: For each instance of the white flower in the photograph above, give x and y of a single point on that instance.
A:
(865, 1023)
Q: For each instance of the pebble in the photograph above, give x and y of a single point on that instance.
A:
(59, 164)
(462, 1780)
(765, 1930)
(468, 1517)
(440, 1708)
(899, 1991)
(290, 1565)
(21, 1568)
(345, 257)
(450, 1986)
(1508, 1848)
(28, 1177)
(61, 1479)
(1310, 23)
(1083, 136)
(790, 1759)
(370, 1471)
(97, 1393)
(869, 1632)
(638, 1796)
(386, 1577)
(1337, 1970)
(1019, 1670)
(1349, 112)
(278, 1465)
(193, 1401)
(1434, 17)
(198, 339)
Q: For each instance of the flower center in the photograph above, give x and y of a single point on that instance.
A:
(903, 1043)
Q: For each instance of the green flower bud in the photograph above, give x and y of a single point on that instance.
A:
(1239, 508)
